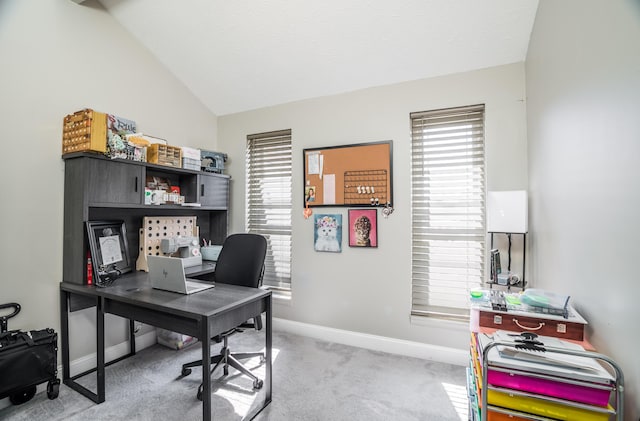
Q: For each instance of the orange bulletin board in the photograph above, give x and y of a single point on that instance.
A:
(358, 175)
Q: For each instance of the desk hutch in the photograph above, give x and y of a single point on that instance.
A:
(99, 188)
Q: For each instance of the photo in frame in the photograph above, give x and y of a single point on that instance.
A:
(109, 250)
(363, 228)
(327, 234)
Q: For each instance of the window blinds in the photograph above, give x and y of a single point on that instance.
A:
(447, 203)
(269, 201)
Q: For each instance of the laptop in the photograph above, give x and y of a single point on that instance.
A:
(167, 273)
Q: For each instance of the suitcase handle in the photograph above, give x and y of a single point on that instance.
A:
(3, 319)
(540, 325)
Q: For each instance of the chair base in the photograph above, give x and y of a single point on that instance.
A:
(226, 359)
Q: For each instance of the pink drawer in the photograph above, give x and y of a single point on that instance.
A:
(556, 389)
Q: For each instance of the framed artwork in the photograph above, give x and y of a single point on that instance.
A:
(327, 234)
(363, 228)
(109, 250)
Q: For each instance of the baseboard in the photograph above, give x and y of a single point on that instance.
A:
(375, 342)
(345, 337)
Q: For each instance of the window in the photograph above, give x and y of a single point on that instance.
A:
(269, 202)
(447, 207)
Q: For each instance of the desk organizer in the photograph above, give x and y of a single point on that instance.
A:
(211, 252)
(164, 155)
(84, 130)
(155, 228)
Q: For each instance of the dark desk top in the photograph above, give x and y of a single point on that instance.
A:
(207, 266)
(135, 288)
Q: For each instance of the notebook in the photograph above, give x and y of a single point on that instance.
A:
(167, 273)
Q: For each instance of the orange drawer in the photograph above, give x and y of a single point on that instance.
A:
(499, 416)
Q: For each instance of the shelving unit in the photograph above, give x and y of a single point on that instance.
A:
(594, 402)
(99, 188)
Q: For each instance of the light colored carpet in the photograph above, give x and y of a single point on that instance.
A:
(312, 380)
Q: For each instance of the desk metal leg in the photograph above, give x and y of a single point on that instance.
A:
(132, 337)
(268, 344)
(206, 368)
(100, 350)
(66, 371)
(64, 331)
(267, 385)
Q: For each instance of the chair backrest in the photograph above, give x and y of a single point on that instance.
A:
(241, 261)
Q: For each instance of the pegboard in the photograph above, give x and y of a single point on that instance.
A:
(365, 187)
(155, 228)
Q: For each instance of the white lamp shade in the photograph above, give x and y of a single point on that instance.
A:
(507, 211)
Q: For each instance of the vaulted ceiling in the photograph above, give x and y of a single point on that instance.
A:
(237, 55)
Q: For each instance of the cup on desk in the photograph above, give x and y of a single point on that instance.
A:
(210, 252)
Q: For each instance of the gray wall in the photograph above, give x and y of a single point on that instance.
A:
(583, 114)
(59, 57)
(582, 83)
(369, 290)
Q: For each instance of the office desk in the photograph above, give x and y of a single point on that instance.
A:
(202, 315)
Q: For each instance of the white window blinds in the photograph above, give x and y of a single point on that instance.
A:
(447, 203)
(269, 201)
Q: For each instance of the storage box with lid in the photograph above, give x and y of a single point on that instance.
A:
(191, 158)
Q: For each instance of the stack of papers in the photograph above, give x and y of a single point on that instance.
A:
(548, 362)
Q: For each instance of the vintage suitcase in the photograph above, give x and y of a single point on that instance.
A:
(543, 324)
(26, 360)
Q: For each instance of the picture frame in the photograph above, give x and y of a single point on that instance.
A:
(363, 228)
(109, 250)
(327, 232)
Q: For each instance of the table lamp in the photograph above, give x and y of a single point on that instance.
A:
(507, 213)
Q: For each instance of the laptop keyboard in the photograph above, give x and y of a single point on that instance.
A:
(191, 285)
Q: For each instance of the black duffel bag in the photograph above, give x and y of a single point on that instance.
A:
(26, 360)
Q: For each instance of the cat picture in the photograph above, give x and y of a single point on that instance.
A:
(363, 230)
(328, 233)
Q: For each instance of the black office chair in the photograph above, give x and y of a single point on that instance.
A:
(241, 262)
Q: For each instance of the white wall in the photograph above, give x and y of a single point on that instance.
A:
(369, 290)
(59, 57)
(583, 91)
